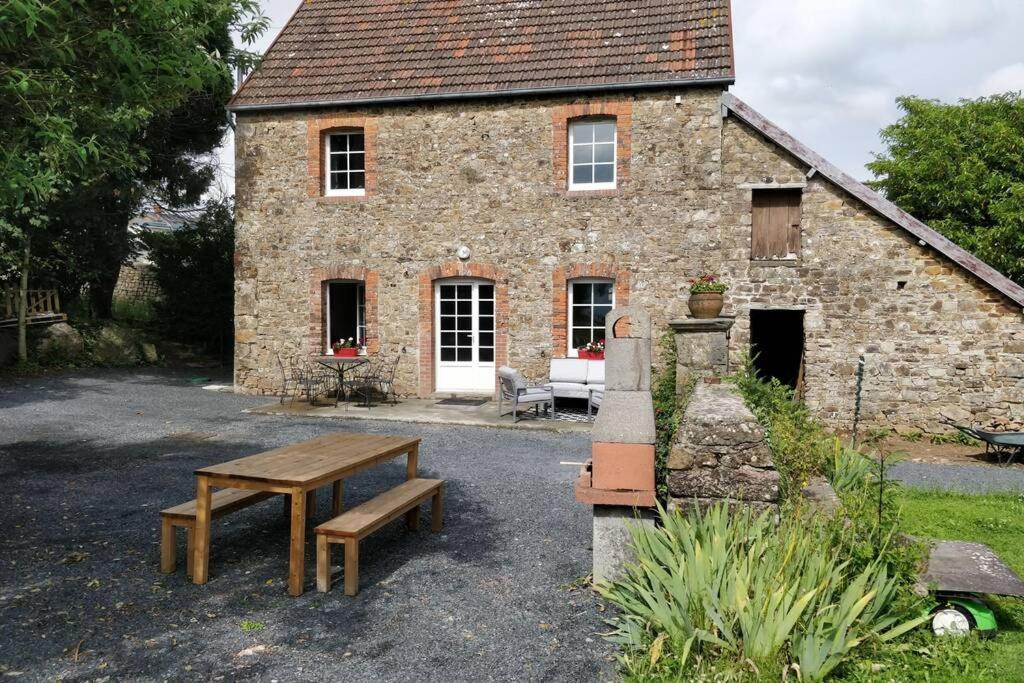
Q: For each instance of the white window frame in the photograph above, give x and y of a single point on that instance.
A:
(574, 186)
(326, 153)
(360, 312)
(572, 351)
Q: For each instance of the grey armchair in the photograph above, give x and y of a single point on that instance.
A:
(515, 390)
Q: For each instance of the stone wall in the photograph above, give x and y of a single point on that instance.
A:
(137, 283)
(482, 174)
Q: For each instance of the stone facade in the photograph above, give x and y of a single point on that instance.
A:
(137, 282)
(482, 174)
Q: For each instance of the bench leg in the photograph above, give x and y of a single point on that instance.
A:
(412, 519)
(190, 543)
(323, 564)
(337, 497)
(310, 504)
(436, 512)
(351, 566)
(167, 556)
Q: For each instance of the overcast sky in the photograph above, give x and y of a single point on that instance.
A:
(829, 71)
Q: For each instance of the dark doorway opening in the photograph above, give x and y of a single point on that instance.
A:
(777, 345)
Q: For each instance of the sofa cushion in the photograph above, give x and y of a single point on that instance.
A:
(595, 372)
(569, 389)
(569, 370)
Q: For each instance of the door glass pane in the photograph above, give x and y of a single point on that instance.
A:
(486, 307)
(447, 339)
(464, 291)
(447, 291)
(465, 355)
(448, 354)
(603, 293)
(466, 339)
(486, 339)
(447, 323)
(465, 307)
(486, 323)
(486, 292)
(465, 322)
(486, 355)
(447, 307)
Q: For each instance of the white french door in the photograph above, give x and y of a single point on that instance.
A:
(464, 335)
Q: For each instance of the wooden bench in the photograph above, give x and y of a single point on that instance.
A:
(351, 527)
(223, 502)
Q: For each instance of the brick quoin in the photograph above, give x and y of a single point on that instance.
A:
(319, 278)
(560, 278)
(316, 129)
(563, 116)
(427, 278)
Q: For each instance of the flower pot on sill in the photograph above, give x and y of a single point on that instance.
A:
(591, 355)
(346, 353)
(706, 305)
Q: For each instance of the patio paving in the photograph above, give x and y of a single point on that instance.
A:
(89, 458)
(432, 411)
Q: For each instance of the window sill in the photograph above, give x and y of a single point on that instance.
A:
(341, 198)
(780, 263)
(612, 192)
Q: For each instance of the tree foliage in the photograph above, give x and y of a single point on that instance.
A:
(960, 168)
(195, 271)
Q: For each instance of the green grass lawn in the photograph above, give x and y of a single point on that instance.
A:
(998, 522)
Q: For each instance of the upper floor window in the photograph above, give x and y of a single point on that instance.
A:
(775, 232)
(592, 154)
(345, 164)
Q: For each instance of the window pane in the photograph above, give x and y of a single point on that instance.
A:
(603, 293)
(465, 307)
(447, 339)
(604, 153)
(604, 173)
(486, 292)
(486, 323)
(447, 323)
(355, 142)
(465, 339)
(582, 132)
(582, 292)
(447, 308)
(448, 354)
(339, 162)
(599, 315)
(486, 339)
(604, 131)
(486, 307)
(357, 180)
(580, 337)
(581, 316)
(582, 154)
(447, 291)
(355, 161)
(582, 175)
(339, 181)
(486, 355)
(465, 355)
(465, 323)
(337, 143)
(464, 291)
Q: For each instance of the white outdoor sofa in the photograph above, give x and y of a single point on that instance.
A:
(577, 378)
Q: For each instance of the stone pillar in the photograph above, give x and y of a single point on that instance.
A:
(721, 454)
(618, 480)
(702, 348)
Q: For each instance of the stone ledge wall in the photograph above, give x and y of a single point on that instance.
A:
(137, 283)
(721, 453)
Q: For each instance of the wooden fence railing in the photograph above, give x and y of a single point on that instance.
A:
(43, 306)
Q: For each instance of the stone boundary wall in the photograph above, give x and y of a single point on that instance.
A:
(137, 283)
(721, 453)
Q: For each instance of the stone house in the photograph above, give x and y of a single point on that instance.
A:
(476, 184)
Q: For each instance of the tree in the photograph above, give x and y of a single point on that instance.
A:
(79, 79)
(960, 168)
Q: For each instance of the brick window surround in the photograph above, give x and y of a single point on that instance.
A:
(427, 278)
(560, 279)
(319, 278)
(563, 116)
(319, 126)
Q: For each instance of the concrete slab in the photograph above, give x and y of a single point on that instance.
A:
(963, 567)
(427, 411)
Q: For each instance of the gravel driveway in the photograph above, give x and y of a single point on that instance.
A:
(88, 459)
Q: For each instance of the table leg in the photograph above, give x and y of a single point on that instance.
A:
(200, 571)
(413, 462)
(297, 547)
(338, 497)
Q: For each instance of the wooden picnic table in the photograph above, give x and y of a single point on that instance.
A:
(296, 470)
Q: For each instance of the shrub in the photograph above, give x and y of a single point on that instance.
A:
(733, 593)
(195, 270)
(668, 410)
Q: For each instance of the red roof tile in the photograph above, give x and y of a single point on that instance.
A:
(346, 51)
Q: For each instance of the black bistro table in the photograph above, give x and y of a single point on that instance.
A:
(340, 364)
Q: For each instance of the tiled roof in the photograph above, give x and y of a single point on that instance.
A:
(878, 203)
(347, 51)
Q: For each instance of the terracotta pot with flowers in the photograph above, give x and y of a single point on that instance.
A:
(592, 351)
(707, 296)
(346, 348)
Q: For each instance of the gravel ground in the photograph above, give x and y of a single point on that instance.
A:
(89, 458)
(964, 478)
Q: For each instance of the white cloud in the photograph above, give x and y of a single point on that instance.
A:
(1009, 78)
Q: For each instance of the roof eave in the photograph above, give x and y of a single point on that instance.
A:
(877, 202)
(724, 81)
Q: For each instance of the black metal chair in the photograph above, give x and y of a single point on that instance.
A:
(318, 380)
(365, 380)
(386, 378)
(292, 378)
